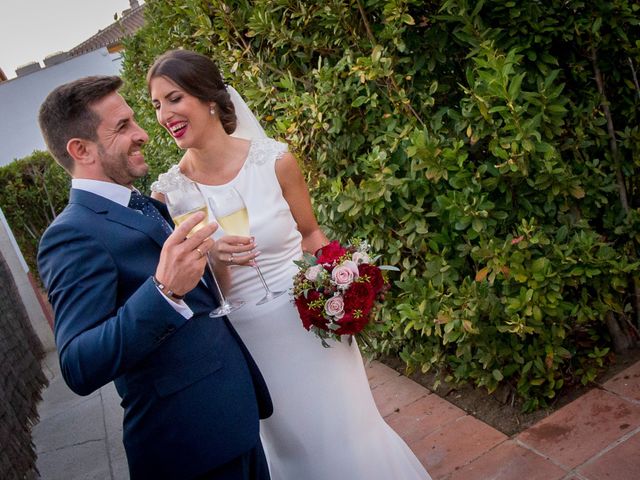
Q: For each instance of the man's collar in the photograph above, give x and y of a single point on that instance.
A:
(109, 190)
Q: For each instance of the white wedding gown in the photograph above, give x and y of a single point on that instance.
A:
(325, 424)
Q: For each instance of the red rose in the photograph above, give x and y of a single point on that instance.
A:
(309, 316)
(331, 252)
(348, 325)
(359, 296)
(374, 274)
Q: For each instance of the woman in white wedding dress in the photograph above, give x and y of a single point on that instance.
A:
(325, 424)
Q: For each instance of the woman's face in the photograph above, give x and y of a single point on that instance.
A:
(185, 117)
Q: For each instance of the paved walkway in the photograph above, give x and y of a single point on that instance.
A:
(596, 437)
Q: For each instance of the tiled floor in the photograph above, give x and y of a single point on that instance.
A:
(596, 437)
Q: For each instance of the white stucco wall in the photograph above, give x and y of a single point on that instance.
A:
(20, 100)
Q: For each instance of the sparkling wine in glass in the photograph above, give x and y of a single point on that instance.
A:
(231, 214)
(183, 218)
(182, 202)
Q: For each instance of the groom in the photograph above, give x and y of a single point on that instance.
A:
(131, 306)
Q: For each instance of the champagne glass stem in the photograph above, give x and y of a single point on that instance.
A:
(264, 283)
(225, 306)
(216, 287)
(269, 294)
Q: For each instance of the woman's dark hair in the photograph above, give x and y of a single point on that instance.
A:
(198, 76)
(66, 113)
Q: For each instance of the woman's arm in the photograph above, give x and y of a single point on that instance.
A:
(158, 196)
(295, 192)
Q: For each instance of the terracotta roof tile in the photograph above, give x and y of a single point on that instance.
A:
(112, 35)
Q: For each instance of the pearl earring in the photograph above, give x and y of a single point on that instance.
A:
(212, 110)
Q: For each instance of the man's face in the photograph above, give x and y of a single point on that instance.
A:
(119, 140)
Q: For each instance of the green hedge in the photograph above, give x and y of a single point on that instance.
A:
(33, 190)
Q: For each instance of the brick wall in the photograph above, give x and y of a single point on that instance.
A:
(21, 381)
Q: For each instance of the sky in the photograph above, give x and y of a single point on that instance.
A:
(31, 30)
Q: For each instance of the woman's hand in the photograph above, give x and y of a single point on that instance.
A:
(234, 250)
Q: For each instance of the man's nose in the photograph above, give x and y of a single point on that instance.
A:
(140, 136)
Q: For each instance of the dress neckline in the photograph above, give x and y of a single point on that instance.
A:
(235, 177)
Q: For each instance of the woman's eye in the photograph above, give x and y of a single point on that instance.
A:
(175, 99)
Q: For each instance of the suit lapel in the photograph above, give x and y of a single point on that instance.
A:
(120, 214)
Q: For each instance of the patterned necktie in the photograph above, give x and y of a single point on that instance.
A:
(142, 203)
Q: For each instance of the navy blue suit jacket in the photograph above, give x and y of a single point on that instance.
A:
(191, 392)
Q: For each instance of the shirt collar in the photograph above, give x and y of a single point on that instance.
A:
(111, 191)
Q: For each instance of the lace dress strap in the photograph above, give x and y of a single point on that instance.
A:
(265, 150)
(170, 180)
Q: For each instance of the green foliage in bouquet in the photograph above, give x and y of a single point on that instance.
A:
(33, 191)
(488, 148)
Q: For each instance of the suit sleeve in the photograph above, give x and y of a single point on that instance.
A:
(97, 339)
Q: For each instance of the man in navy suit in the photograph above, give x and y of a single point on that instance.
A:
(131, 305)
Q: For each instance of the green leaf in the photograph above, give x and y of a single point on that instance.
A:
(408, 19)
(514, 86)
(360, 101)
(375, 55)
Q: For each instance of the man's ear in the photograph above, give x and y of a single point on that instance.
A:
(82, 151)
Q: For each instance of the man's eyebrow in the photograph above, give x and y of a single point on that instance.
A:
(122, 123)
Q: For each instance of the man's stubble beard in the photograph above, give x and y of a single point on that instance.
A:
(117, 167)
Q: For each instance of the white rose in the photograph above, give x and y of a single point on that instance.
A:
(361, 257)
(312, 273)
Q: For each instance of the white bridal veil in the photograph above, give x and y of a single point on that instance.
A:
(247, 125)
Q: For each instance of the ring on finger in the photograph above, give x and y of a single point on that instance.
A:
(231, 257)
(200, 252)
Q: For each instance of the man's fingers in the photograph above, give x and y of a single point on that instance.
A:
(205, 246)
(196, 238)
(185, 229)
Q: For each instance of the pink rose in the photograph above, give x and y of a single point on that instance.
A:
(335, 306)
(361, 257)
(344, 274)
(312, 273)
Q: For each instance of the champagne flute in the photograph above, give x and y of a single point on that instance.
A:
(231, 214)
(182, 202)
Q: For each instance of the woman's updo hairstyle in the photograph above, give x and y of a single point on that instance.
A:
(198, 76)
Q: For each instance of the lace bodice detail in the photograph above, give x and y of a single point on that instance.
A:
(262, 150)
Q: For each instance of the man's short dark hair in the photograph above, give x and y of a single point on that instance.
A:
(66, 113)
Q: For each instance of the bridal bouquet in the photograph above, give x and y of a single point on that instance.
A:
(338, 290)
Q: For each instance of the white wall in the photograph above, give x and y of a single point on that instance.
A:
(21, 97)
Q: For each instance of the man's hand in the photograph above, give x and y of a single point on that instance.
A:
(183, 259)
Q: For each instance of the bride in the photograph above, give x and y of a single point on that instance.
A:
(325, 424)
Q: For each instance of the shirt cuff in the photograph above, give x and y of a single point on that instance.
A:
(179, 306)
